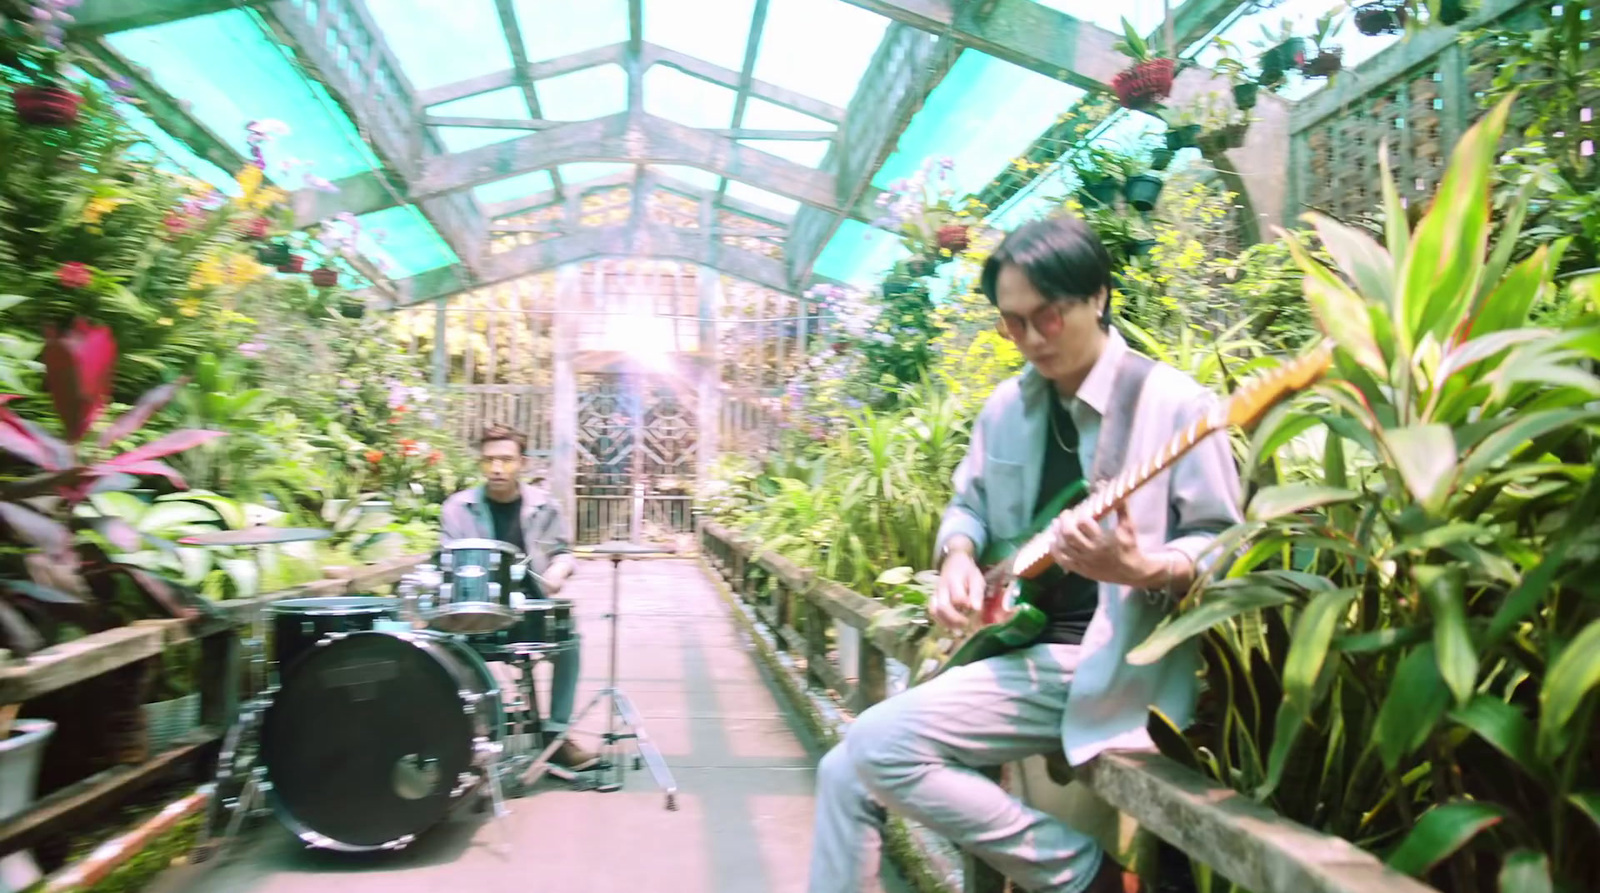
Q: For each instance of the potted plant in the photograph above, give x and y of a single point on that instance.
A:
(1243, 83)
(1148, 80)
(933, 224)
(1097, 169)
(325, 277)
(1329, 58)
(1140, 187)
(1381, 17)
(22, 746)
(1452, 11)
(32, 42)
(294, 264)
(273, 254)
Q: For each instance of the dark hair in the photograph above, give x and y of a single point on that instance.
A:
(1061, 256)
(494, 431)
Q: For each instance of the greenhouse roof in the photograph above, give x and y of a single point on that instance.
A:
(477, 140)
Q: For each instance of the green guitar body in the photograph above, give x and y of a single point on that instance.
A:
(1027, 621)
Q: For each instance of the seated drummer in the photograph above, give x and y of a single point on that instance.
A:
(505, 508)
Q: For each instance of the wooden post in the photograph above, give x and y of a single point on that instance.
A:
(873, 684)
(564, 393)
(219, 679)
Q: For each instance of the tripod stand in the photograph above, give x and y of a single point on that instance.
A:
(619, 707)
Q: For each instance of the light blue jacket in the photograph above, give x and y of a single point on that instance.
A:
(465, 515)
(1183, 509)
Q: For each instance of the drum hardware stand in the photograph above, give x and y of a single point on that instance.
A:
(249, 803)
(620, 707)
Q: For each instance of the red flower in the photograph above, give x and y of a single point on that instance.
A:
(374, 456)
(78, 370)
(74, 275)
(953, 238)
(176, 224)
(435, 457)
(408, 447)
(256, 228)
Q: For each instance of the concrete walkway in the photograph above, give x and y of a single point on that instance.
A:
(743, 823)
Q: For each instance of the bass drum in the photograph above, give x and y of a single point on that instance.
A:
(373, 739)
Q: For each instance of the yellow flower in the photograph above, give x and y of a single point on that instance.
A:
(249, 180)
(98, 208)
(268, 197)
(164, 321)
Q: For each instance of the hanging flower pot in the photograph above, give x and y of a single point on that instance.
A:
(1244, 96)
(1160, 158)
(1144, 84)
(1183, 136)
(1140, 247)
(1233, 135)
(46, 106)
(953, 237)
(895, 286)
(1382, 17)
(1099, 194)
(295, 264)
(920, 266)
(1142, 190)
(273, 254)
(255, 229)
(1325, 63)
(1451, 11)
(325, 277)
(1289, 54)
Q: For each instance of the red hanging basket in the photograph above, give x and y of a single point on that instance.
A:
(324, 277)
(953, 238)
(1144, 84)
(295, 264)
(46, 106)
(255, 228)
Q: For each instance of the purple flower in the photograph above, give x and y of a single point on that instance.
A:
(321, 185)
(947, 163)
(252, 349)
(122, 87)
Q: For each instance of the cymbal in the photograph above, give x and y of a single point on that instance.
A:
(256, 536)
(622, 547)
(481, 544)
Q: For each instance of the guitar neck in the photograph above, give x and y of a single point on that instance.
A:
(1034, 558)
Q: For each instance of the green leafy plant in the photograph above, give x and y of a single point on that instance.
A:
(1402, 651)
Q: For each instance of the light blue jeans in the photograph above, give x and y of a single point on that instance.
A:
(918, 753)
(565, 666)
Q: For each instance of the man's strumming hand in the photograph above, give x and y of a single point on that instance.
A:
(959, 594)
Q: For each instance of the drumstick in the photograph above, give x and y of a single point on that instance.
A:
(8, 715)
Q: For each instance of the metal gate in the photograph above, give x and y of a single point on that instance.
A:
(637, 450)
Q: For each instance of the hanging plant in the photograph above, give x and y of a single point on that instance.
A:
(920, 265)
(273, 254)
(954, 238)
(1327, 63)
(1182, 137)
(1452, 11)
(1381, 17)
(325, 277)
(1160, 158)
(295, 264)
(1287, 54)
(1149, 80)
(1142, 190)
(256, 228)
(46, 106)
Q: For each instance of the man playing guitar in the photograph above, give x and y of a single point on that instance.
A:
(1083, 401)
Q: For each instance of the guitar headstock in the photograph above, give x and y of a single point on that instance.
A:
(1252, 400)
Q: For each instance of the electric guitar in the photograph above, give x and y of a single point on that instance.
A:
(1010, 617)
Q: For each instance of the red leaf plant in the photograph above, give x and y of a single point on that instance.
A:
(67, 570)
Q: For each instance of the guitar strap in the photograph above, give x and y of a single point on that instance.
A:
(1111, 447)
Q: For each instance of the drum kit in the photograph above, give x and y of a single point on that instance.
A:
(378, 717)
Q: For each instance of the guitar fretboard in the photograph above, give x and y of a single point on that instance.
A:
(1034, 556)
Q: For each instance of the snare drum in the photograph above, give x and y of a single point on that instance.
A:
(299, 623)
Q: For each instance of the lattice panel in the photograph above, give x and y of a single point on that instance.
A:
(526, 409)
(667, 208)
(750, 234)
(669, 441)
(549, 217)
(606, 207)
(1408, 116)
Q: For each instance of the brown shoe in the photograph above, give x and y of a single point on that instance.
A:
(570, 755)
(1112, 879)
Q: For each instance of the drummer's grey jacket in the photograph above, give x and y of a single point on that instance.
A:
(544, 529)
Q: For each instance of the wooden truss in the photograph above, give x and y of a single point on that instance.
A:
(346, 52)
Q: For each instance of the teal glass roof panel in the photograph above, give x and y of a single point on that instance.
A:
(982, 115)
(819, 48)
(1247, 35)
(440, 42)
(401, 242)
(514, 187)
(859, 254)
(806, 152)
(671, 94)
(713, 30)
(586, 171)
(169, 153)
(759, 113)
(1144, 15)
(761, 197)
(231, 73)
(507, 103)
(554, 28)
(688, 176)
(583, 95)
